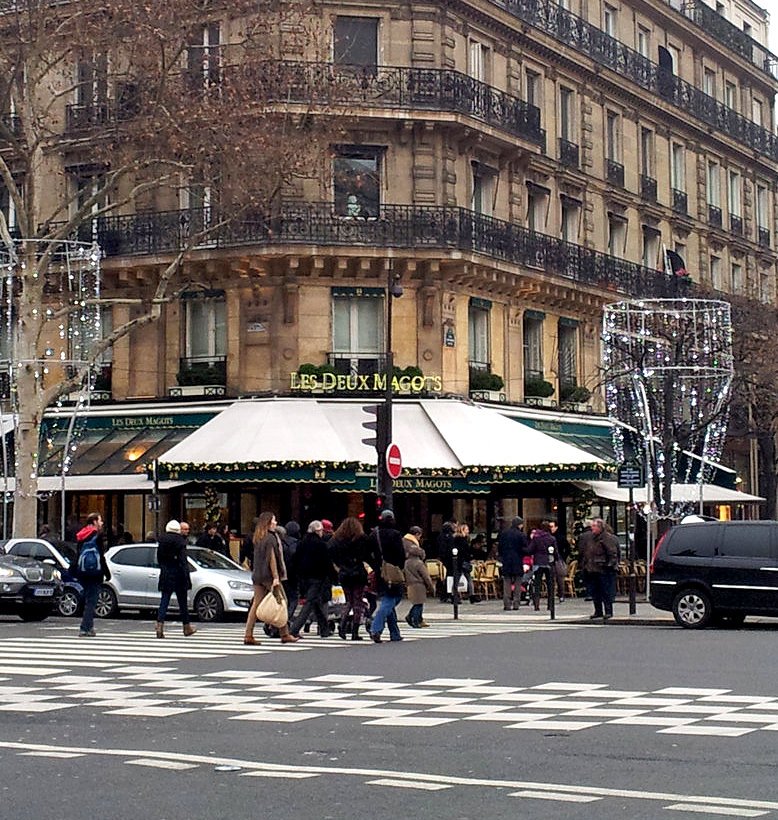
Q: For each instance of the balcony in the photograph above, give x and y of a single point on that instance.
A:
(569, 153)
(201, 376)
(351, 363)
(414, 227)
(614, 172)
(647, 188)
(83, 117)
(714, 216)
(764, 237)
(729, 35)
(393, 87)
(680, 201)
(575, 32)
(736, 224)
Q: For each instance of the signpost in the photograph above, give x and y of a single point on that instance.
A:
(394, 462)
(630, 476)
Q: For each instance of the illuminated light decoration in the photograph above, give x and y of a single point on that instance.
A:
(69, 333)
(668, 372)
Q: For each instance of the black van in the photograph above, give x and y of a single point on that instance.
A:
(716, 572)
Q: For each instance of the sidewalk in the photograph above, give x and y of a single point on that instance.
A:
(572, 611)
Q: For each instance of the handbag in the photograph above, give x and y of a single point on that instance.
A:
(273, 609)
(392, 574)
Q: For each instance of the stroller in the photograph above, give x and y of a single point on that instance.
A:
(335, 608)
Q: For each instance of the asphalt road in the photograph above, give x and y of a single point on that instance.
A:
(481, 719)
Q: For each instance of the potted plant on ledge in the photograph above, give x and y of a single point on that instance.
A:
(576, 398)
(538, 392)
(201, 378)
(486, 386)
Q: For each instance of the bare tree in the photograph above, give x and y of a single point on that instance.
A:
(114, 106)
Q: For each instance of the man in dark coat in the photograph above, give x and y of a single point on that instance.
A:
(511, 549)
(211, 540)
(291, 540)
(387, 542)
(317, 573)
(91, 582)
(601, 562)
(173, 576)
(246, 554)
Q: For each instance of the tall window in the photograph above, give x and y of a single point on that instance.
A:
(756, 112)
(650, 247)
(533, 345)
(737, 278)
(92, 80)
(87, 184)
(478, 61)
(204, 57)
(571, 216)
(355, 41)
(356, 175)
(484, 189)
(478, 335)
(532, 88)
(8, 209)
(568, 353)
(730, 95)
(358, 327)
(566, 128)
(612, 147)
(617, 235)
(647, 152)
(678, 167)
(675, 54)
(644, 42)
(709, 82)
(715, 272)
(733, 194)
(206, 327)
(609, 20)
(537, 207)
(762, 206)
(714, 184)
(766, 286)
(197, 199)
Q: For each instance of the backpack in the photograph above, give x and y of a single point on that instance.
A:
(89, 557)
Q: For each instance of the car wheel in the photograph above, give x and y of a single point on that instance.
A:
(692, 608)
(68, 603)
(106, 606)
(208, 605)
(729, 619)
(34, 613)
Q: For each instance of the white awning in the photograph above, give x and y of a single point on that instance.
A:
(431, 433)
(6, 424)
(711, 493)
(96, 483)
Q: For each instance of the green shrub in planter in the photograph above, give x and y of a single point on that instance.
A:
(538, 387)
(483, 380)
(577, 395)
(202, 373)
(309, 369)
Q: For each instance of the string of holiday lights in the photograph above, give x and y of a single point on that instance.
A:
(668, 372)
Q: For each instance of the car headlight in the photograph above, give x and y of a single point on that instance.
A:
(242, 585)
(7, 572)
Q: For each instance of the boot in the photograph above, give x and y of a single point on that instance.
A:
(342, 630)
(160, 629)
(355, 636)
(189, 630)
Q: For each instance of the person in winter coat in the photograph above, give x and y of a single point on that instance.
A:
(387, 543)
(316, 576)
(91, 582)
(290, 541)
(211, 540)
(601, 563)
(539, 544)
(562, 554)
(417, 578)
(246, 554)
(511, 548)
(268, 571)
(173, 576)
(349, 552)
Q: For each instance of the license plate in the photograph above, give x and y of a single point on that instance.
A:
(43, 591)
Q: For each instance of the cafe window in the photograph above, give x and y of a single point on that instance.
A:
(205, 326)
(478, 334)
(355, 41)
(357, 182)
(358, 323)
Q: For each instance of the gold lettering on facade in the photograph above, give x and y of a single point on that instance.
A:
(357, 383)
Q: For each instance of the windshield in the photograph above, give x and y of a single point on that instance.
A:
(208, 559)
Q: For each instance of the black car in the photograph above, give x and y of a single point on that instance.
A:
(717, 572)
(28, 588)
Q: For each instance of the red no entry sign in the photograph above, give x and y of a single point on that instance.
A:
(394, 461)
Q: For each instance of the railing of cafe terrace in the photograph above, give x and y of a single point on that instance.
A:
(397, 226)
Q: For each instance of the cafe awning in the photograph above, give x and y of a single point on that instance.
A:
(711, 493)
(321, 440)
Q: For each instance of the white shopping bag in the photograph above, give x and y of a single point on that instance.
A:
(461, 586)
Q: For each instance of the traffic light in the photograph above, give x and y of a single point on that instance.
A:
(379, 504)
(378, 426)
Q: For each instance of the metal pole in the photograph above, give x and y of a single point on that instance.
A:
(631, 553)
(156, 498)
(702, 480)
(383, 472)
(5, 476)
(551, 583)
(455, 582)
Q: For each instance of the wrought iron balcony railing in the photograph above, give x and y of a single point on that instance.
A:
(680, 201)
(714, 215)
(647, 188)
(199, 370)
(80, 117)
(569, 154)
(418, 227)
(764, 237)
(356, 363)
(729, 35)
(433, 89)
(574, 31)
(614, 172)
(736, 224)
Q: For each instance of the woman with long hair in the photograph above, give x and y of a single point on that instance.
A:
(268, 572)
(349, 551)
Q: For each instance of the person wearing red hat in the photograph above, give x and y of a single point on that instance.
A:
(328, 529)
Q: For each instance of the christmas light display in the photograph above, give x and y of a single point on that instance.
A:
(668, 371)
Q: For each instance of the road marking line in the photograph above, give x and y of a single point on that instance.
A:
(31, 706)
(277, 716)
(281, 775)
(149, 711)
(161, 764)
(570, 687)
(716, 731)
(410, 721)
(62, 755)
(680, 690)
(715, 810)
(562, 725)
(564, 798)
(405, 784)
